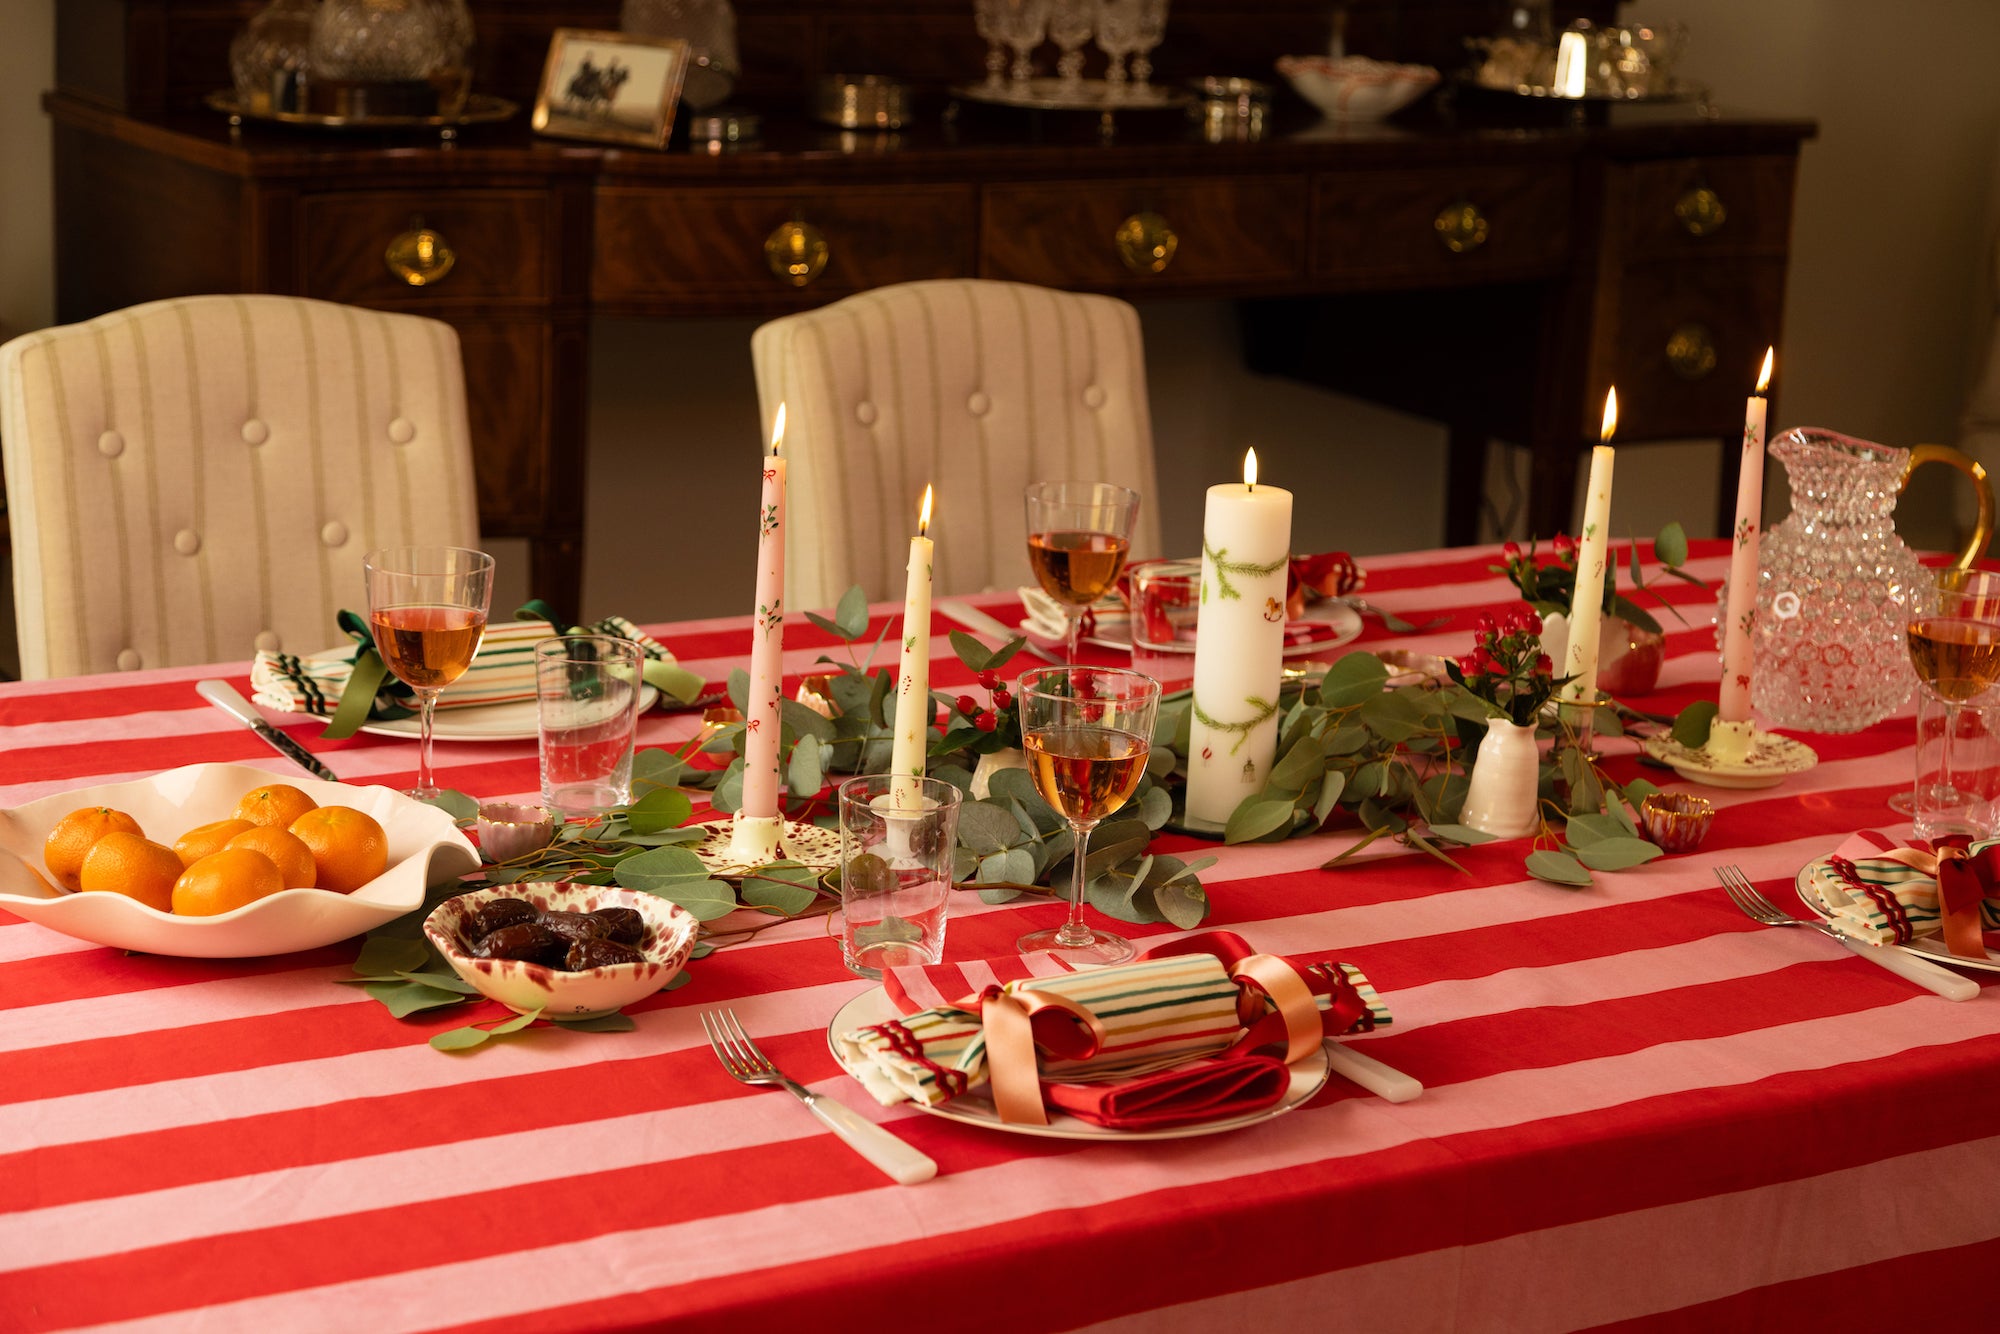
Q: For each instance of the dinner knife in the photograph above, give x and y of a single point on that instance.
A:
(972, 617)
(227, 698)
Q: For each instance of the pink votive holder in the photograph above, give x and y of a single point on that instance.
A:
(508, 830)
(1677, 821)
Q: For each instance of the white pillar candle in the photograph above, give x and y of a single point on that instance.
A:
(1239, 645)
(1586, 607)
(913, 676)
(762, 719)
(1736, 619)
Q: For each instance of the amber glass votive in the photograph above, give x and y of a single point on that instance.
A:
(1677, 821)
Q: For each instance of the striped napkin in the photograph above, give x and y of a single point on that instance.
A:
(1879, 900)
(502, 672)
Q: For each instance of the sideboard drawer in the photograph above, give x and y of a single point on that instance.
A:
(1243, 230)
(1449, 226)
(1700, 207)
(1689, 339)
(497, 242)
(708, 247)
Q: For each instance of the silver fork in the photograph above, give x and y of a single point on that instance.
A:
(1382, 1080)
(747, 1064)
(1923, 972)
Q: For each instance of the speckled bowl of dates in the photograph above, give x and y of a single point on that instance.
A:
(569, 950)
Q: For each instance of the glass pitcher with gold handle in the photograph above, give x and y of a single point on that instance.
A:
(1835, 585)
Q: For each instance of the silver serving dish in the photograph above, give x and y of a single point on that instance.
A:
(861, 102)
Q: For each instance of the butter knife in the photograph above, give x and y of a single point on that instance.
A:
(973, 618)
(227, 698)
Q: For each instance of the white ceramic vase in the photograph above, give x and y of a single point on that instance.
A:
(1501, 800)
(982, 774)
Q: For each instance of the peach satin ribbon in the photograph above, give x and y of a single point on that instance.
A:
(1964, 881)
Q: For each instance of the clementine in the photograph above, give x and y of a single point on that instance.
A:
(203, 839)
(294, 859)
(348, 847)
(225, 880)
(132, 865)
(70, 841)
(274, 804)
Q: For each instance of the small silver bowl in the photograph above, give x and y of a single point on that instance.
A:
(861, 102)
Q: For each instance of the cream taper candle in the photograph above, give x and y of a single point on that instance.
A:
(913, 675)
(1736, 618)
(762, 718)
(1239, 645)
(1586, 607)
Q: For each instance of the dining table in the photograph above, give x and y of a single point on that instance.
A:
(1641, 1109)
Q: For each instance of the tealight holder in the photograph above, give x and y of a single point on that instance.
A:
(1677, 821)
(508, 830)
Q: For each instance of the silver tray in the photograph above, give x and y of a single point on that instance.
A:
(480, 109)
(1085, 95)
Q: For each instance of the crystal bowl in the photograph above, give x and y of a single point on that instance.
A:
(1355, 88)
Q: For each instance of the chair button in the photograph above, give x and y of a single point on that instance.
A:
(111, 444)
(187, 541)
(978, 405)
(268, 641)
(402, 430)
(864, 412)
(334, 534)
(128, 660)
(255, 432)
(1093, 396)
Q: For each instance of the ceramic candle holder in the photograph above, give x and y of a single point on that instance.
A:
(507, 830)
(1677, 821)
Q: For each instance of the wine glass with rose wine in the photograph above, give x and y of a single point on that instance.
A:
(1079, 534)
(427, 610)
(1087, 732)
(1955, 649)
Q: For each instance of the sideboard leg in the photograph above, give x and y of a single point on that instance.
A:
(1464, 483)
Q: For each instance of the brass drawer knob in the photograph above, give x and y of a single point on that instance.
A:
(1691, 351)
(1700, 210)
(1461, 228)
(1146, 243)
(796, 252)
(419, 256)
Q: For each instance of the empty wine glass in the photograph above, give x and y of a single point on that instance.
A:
(1087, 732)
(1022, 24)
(427, 610)
(1117, 33)
(1152, 26)
(986, 20)
(1070, 24)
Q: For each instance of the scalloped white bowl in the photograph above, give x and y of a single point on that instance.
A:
(425, 848)
(522, 986)
(1355, 88)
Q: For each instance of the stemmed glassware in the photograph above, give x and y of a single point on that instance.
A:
(1070, 24)
(1956, 651)
(427, 609)
(1087, 732)
(1117, 33)
(987, 20)
(1151, 27)
(1022, 24)
(1079, 534)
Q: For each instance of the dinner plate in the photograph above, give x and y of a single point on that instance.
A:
(515, 720)
(1330, 625)
(1928, 947)
(873, 1006)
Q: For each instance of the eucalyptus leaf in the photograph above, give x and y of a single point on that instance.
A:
(1670, 546)
(668, 838)
(387, 956)
(456, 804)
(657, 766)
(1393, 716)
(1558, 868)
(785, 887)
(1156, 808)
(879, 687)
(1299, 767)
(970, 651)
(957, 775)
(806, 722)
(1691, 726)
(615, 1022)
(1347, 739)
(406, 998)
(851, 615)
(705, 900)
(805, 772)
(661, 866)
(1005, 895)
(1616, 854)
(1356, 678)
(1115, 843)
(442, 981)
(987, 827)
(1380, 818)
(1585, 830)
(728, 795)
(1328, 801)
(1018, 784)
(661, 809)
(460, 1039)
(1460, 833)
(739, 691)
(1257, 817)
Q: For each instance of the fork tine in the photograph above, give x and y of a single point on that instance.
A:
(1745, 896)
(758, 1061)
(708, 1027)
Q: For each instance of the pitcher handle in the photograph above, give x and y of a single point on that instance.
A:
(1982, 525)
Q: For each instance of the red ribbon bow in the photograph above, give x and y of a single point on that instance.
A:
(1331, 574)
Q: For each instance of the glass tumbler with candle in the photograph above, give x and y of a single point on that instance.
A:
(587, 697)
(1079, 534)
(895, 870)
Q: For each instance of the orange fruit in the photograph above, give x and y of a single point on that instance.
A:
(293, 858)
(225, 880)
(348, 847)
(274, 804)
(130, 864)
(203, 839)
(70, 841)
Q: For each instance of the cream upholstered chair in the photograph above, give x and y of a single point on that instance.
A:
(980, 387)
(193, 479)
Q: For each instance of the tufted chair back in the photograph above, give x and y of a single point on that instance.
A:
(193, 479)
(980, 387)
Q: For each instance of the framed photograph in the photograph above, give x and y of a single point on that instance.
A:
(611, 86)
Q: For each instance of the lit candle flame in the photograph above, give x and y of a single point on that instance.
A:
(778, 429)
(1572, 65)
(1764, 378)
(924, 519)
(1610, 427)
(1250, 468)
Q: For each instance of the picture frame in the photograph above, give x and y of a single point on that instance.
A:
(612, 87)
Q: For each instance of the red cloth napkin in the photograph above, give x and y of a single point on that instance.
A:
(1212, 1090)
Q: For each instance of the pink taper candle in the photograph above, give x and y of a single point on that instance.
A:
(767, 645)
(1735, 701)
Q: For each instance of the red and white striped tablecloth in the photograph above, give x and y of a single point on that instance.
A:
(1641, 1109)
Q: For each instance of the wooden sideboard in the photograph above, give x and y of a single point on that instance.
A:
(1492, 276)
